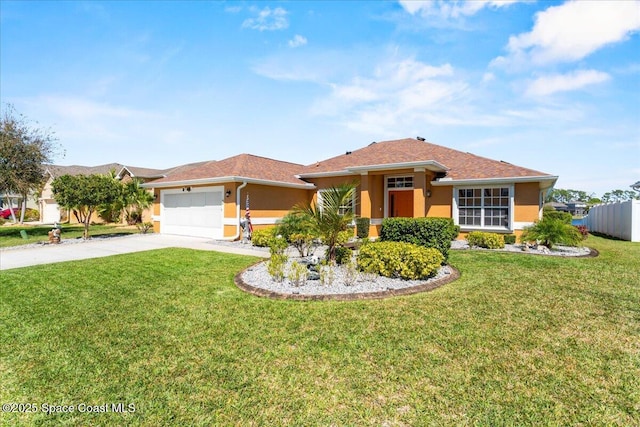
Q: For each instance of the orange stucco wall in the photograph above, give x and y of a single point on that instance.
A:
(270, 202)
(527, 202)
(439, 204)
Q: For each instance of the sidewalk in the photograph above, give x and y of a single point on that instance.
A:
(96, 248)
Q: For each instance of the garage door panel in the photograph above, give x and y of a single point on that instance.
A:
(196, 213)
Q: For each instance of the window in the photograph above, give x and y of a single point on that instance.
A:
(351, 206)
(400, 182)
(484, 207)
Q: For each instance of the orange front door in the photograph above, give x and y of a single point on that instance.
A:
(401, 204)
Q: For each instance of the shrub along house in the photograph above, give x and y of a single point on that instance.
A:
(400, 178)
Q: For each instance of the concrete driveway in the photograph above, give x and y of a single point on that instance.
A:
(95, 248)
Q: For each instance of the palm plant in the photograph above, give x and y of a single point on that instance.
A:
(331, 215)
(552, 231)
(135, 199)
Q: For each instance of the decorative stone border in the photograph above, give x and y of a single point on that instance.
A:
(425, 287)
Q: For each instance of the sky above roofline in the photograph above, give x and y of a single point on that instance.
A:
(551, 86)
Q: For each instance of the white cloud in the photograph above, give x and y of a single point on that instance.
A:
(396, 95)
(451, 9)
(554, 83)
(488, 77)
(572, 31)
(297, 41)
(267, 19)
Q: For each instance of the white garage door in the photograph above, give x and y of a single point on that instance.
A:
(192, 213)
(50, 212)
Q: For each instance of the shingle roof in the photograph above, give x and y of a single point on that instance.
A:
(58, 170)
(242, 165)
(460, 165)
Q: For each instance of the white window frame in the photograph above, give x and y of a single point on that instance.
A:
(319, 200)
(456, 208)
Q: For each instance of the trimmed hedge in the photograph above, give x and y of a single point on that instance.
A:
(399, 259)
(263, 237)
(434, 233)
(362, 227)
(510, 239)
(563, 216)
(486, 240)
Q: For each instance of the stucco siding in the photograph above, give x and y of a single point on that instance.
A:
(527, 202)
(439, 204)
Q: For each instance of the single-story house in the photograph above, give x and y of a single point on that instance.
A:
(399, 178)
(575, 208)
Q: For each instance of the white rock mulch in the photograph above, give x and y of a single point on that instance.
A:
(257, 276)
(564, 251)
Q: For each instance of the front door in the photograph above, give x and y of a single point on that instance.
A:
(400, 203)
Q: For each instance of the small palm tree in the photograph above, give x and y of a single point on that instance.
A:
(331, 215)
(135, 199)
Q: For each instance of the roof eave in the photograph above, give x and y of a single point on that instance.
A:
(431, 165)
(223, 179)
(546, 181)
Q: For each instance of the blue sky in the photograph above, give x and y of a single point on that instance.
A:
(553, 86)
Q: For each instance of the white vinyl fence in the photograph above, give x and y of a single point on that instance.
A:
(621, 220)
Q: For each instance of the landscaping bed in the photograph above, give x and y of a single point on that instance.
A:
(345, 286)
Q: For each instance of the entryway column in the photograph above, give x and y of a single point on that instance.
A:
(365, 196)
(419, 192)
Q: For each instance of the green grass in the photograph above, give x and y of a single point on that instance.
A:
(10, 234)
(517, 340)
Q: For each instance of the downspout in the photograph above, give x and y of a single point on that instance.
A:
(244, 184)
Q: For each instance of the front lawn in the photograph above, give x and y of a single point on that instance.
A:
(517, 340)
(10, 234)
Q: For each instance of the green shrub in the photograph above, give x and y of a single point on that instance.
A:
(275, 267)
(399, 259)
(343, 255)
(298, 231)
(362, 227)
(509, 239)
(297, 274)
(277, 245)
(262, 237)
(145, 227)
(566, 217)
(434, 233)
(550, 231)
(486, 240)
(32, 215)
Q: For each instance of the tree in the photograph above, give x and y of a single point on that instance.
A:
(619, 196)
(84, 193)
(135, 199)
(560, 195)
(24, 150)
(331, 215)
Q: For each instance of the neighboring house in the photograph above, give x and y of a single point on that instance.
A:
(576, 208)
(50, 212)
(401, 178)
(559, 206)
